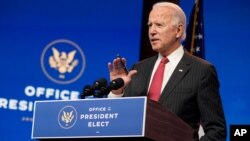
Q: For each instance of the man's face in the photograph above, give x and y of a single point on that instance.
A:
(162, 33)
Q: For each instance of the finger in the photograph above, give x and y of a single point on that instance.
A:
(110, 67)
(124, 61)
(116, 63)
(121, 62)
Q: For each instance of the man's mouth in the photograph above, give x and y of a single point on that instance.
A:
(154, 40)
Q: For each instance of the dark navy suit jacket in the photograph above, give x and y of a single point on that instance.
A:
(192, 93)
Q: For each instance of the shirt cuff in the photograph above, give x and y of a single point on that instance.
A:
(111, 95)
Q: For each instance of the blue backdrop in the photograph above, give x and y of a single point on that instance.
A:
(50, 49)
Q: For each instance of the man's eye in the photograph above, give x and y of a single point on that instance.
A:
(159, 25)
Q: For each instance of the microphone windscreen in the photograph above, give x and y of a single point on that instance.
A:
(116, 84)
(102, 82)
(88, 90)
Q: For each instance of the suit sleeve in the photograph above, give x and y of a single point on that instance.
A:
(210, 106)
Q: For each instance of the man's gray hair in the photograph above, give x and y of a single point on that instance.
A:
(178, 15)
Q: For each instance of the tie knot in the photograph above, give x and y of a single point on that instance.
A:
(164, 60)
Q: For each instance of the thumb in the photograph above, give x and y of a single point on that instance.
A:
(132, 73)
(128, 78)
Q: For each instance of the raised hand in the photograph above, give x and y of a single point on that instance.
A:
(118, 70)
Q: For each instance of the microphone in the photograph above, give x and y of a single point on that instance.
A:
(100, 88)
(87, 91)
(102, 82)
(104, 90)
(116, 84)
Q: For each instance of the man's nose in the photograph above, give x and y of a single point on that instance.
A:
(152, 30)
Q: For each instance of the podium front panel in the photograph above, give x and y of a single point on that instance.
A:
(89, 118)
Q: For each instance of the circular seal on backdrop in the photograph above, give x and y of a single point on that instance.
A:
(63, 61)
(67, 117)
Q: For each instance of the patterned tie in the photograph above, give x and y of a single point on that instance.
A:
(155, 88)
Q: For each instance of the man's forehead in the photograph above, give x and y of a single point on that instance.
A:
(160, 13)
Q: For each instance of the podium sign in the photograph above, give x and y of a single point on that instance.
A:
(89, 118)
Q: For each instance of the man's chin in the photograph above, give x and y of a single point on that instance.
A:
(155, 48)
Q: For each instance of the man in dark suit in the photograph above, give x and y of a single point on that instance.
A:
(188, 85)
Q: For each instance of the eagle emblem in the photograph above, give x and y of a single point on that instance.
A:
(67, 117)
(63, 62)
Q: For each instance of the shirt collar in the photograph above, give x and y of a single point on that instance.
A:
(175, 56)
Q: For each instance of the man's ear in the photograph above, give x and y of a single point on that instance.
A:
(179, 30)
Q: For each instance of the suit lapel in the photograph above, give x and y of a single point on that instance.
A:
(180, 71)
(150, 65)
(145, 74)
